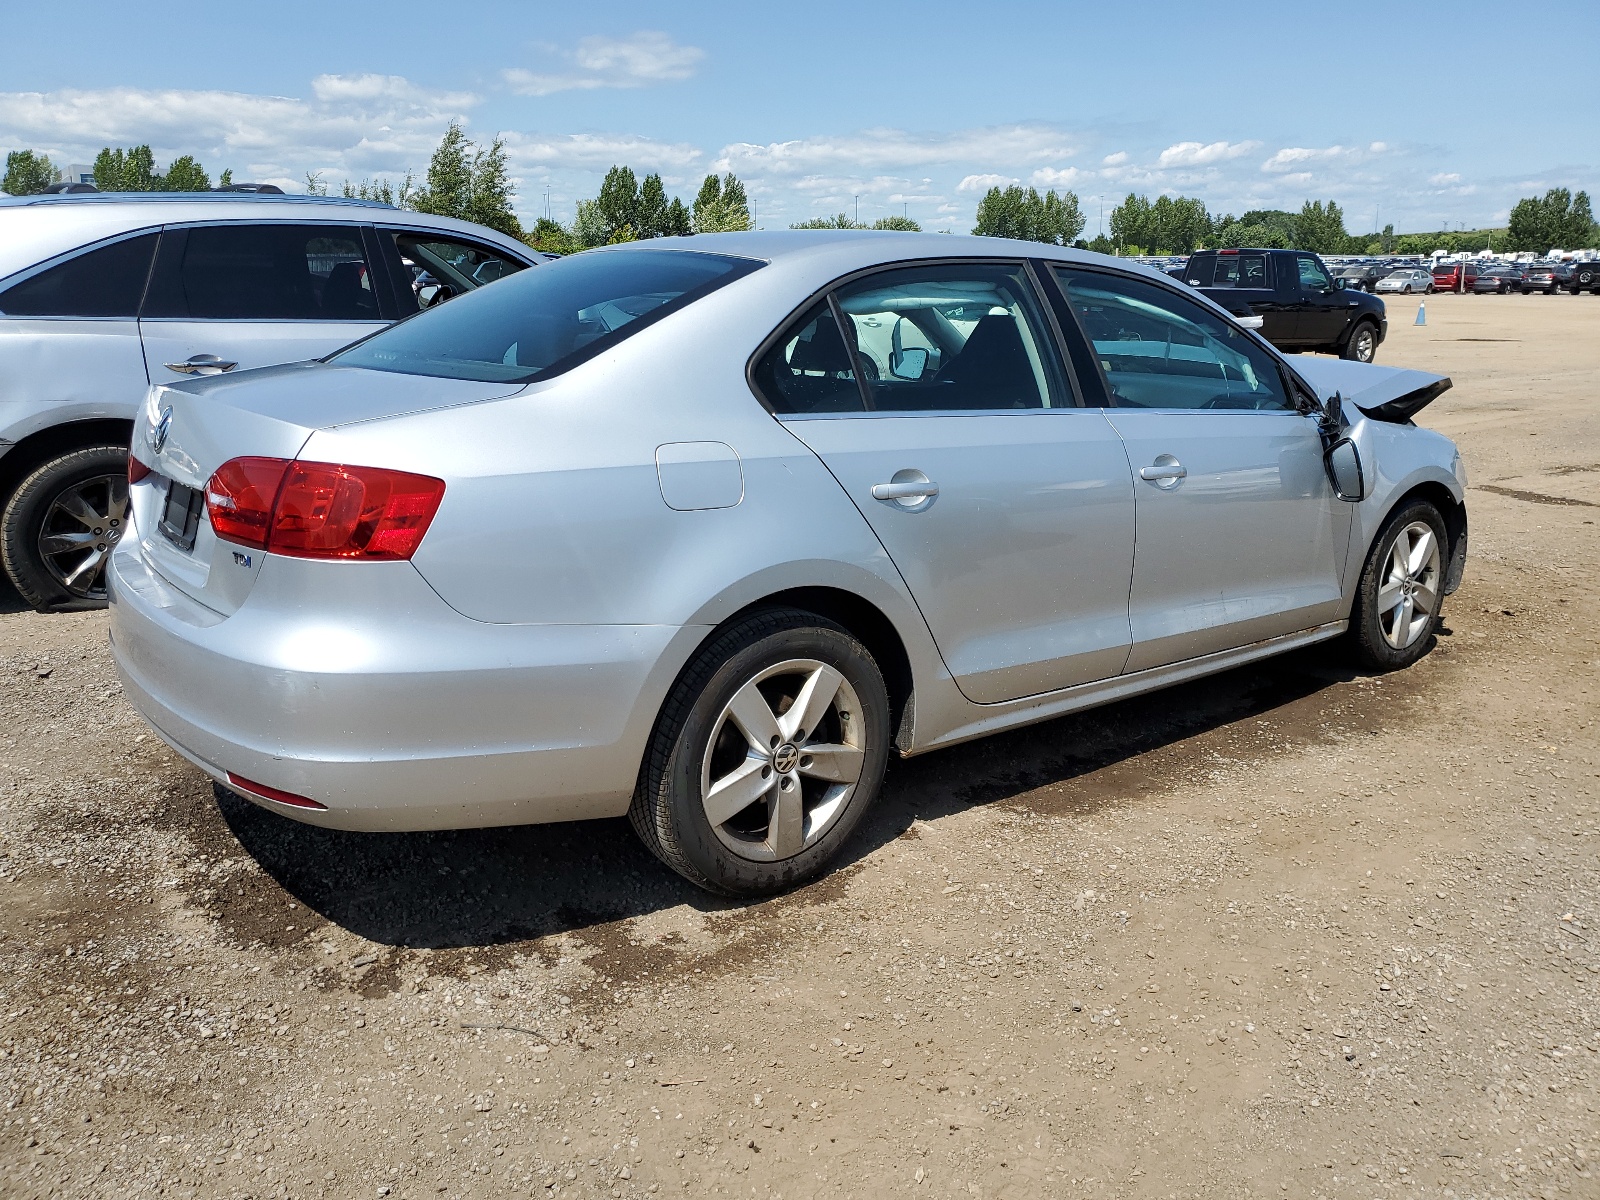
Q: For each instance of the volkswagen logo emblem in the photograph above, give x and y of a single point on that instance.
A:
(785, 758)
(163, 430)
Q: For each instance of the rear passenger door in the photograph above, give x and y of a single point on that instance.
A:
(1006, 507)
(1247, 276)
(233, 296)
(430, 267)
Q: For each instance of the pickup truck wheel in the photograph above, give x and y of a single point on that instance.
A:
(1362, 344)
(60, 526)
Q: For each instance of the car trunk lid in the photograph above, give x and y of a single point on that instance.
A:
(186, 431)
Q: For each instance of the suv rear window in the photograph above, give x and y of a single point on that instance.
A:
(546, 320)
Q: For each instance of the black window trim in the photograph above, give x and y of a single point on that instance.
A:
(827, 294)
(66, 256)
(1292, 382)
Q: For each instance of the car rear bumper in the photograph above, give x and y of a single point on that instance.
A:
(396, 713)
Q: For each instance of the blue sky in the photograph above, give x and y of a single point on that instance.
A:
(913, 108)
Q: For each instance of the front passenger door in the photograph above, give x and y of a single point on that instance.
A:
(233, 296)
(1240, 537)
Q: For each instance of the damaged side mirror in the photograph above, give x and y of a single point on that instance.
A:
(1345, 471)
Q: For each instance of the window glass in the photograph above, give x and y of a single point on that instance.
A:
(1161, 350)
(108, 282)
(951, 338)
(439, 268)
(263, 273)
(1312, 277)
(1198, 271)
(1241, 271)
(543, 321)
(808, 369)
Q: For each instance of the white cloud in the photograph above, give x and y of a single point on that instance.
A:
(1050, 177)
(1199, 154)
(1291, 157)
(982, 183)
(1444, 179)
(889, 149)
(599, 151)
(645, 58)
(1115, 160)
(359, 124)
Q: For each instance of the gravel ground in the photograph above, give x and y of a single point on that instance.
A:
(1290, 931)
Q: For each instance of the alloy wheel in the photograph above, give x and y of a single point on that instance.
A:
(1366, 344)
(783, 760)
(80, 529)
(1408, 596)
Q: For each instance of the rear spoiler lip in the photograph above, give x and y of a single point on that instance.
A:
(1402, 408)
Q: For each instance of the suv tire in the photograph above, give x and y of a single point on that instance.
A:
(726, 727)
(60, 525)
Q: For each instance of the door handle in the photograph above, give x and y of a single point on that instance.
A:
(909, 488)
(202, 364)
(1165, 472)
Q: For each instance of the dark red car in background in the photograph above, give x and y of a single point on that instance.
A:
(1447, 276)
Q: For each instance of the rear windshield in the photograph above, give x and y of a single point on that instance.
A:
(540, 322)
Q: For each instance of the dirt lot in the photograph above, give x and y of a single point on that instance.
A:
(1287, 932)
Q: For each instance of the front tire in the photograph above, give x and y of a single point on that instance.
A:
(59, 528)
(1401, 593)
(1362, 344)
(768, 750)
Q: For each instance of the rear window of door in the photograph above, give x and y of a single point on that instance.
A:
(1159, 349)
(951, 338)
(263, 273)
(436, 267)
(105, 282)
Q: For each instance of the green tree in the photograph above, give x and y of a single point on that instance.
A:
(490, 193)
(551, 237)
(899, 224)
(618, 201)
(184, 175)
(1130, 223)
(589, 227)
(130, 171)
(448, 190)
(1026, 215)
(721, 205)
(680, 222)
(27, 173)
(841, 221)
(1556, 220)
(1320, 228)
(652, 210)
(225, 178)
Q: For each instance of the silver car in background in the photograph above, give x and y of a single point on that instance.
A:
(1406, 281)
(704, 530)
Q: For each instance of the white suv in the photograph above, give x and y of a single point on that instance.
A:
(102, 295)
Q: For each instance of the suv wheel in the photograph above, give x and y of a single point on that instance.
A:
(1362, 344)
(768, 750)
(60, 526)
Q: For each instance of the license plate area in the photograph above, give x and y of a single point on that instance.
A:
(180, 515)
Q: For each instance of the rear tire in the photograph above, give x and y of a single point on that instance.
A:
(734, 799)
(1401, 593)
(1362, 344)
(59, 528)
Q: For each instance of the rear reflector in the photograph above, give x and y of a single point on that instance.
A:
(322, 510)
(270, 793)
(137, 471)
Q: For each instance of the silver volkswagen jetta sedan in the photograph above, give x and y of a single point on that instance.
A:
(703, 530)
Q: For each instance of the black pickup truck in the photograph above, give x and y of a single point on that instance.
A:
(1302, 305)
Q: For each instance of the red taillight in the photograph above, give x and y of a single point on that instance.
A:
(322, 510)
(137, 471)
(271, 793)
(239, 499)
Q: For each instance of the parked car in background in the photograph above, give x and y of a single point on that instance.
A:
(102, 295)
(1454, 276)
(1541, 277)
(1301, 305)
(703, 530)
(1498, 281)
(1584, 277)
(1406, 281)
(1364, 276)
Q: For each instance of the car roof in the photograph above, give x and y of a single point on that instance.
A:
(35, 229)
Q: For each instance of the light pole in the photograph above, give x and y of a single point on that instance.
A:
(858, 208)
